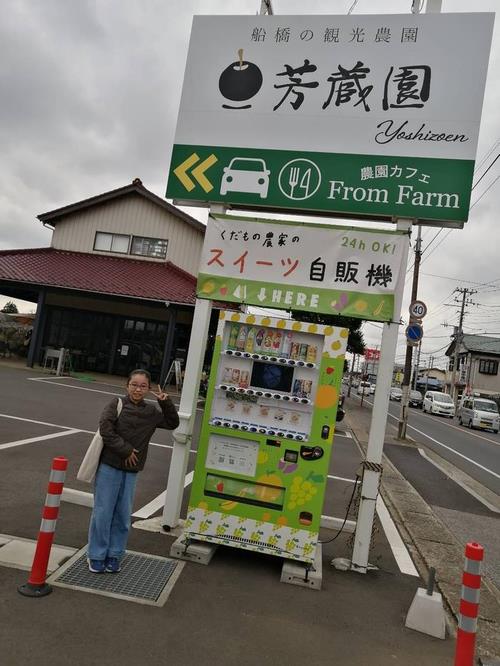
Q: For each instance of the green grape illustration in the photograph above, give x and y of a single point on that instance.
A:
(221, 529)
(301, 492)
(255, 536)
(239, 532)
(307, 548)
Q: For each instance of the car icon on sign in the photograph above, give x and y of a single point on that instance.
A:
(245, 174)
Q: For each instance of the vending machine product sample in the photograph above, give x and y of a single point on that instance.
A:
(267, 435)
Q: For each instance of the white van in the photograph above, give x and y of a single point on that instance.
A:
(436, 402)
(479, 413)
(364, 388)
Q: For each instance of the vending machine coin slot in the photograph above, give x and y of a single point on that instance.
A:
(325, 432)
(311, 452)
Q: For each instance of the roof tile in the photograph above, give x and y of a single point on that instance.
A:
(99, 274)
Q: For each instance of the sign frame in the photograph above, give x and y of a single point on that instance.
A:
(399, 157)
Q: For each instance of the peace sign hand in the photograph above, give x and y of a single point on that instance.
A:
(160, 395)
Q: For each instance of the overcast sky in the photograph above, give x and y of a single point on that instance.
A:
(89, 98)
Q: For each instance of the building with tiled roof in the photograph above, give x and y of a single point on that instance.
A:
(116, 286)
(478, 359)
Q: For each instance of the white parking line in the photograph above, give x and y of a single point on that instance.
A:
(156, 503)
(52, 425)
(399, 550)
(20, 442)
(92, 390)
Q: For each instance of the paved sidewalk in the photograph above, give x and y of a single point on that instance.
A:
(427, 538)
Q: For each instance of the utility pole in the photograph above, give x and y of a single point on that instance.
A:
(405, 386)
(458, 338)
(417, 366)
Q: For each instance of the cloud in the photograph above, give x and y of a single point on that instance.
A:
(90, 94)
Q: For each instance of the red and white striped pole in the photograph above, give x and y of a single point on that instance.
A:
(36, 585)
(469, 605)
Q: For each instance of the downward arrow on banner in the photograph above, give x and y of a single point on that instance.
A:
(262, 294)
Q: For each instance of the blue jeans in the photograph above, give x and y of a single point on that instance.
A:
(111, 518)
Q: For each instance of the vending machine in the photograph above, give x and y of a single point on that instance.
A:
(267, 435)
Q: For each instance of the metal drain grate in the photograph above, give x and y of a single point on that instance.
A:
(146, 579)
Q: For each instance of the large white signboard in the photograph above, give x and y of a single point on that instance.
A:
(364, 115)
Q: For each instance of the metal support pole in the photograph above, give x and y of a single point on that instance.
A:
(371, 476)
(187, 412)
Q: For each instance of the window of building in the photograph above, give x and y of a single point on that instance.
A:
(488, 366)
(111, 242)
(149, 247)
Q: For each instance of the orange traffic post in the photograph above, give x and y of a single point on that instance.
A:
(469, 605)
(36, 585)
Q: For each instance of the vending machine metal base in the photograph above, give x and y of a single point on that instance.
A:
(267, 434)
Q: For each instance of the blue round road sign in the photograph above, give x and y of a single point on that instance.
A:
(414, 332)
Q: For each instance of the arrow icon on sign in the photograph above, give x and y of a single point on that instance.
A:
(198, 173)
(262, 294)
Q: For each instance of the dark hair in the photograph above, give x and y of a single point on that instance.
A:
(139, 372)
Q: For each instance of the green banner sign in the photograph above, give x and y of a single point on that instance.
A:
(362, 185)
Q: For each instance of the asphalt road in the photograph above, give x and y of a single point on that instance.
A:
(234, 610)
(476, 452)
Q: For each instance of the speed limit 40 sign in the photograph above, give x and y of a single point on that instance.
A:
(418, 309)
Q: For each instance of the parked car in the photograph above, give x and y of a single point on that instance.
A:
(364, 388)
(415, 399)
(395, 393)
(479, 413)
(436, 402)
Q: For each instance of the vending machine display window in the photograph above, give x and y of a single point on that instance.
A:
(271, 377)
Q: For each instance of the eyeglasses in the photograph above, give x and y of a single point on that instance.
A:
(139, 387)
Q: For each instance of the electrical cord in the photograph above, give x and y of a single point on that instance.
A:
(356, 482)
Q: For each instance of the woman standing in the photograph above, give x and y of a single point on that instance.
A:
(126, 438)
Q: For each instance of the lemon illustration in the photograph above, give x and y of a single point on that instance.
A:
(208, 287)
(281, 323)
(312, 328)
(250, 319)
(360, 305)
(266, 321)
(235, 317)
(296, 326)
(328, 330)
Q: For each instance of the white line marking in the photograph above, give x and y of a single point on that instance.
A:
(156, 503)
(459, 482)
(152, 507)
(90, 432)
(84, 388)
(52, 425)
(20, 442)
(461, 455)
(341, 478)
(399, 550)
